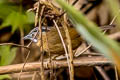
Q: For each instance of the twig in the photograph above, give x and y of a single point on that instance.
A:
(27, 56)
(114, 36)
(63, 43)
(22, 43)
(40, 40)
(24, 65)
(102, 72)
(116, 73)
(13, 44)
(37, 15)
(114, 18)
(71, 72)
(76, 55)
(81, 61)
(34, 75)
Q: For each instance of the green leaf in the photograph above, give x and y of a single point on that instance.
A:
(115, 10)
(4, 1)
(92, 34)
(12, 17)
(5, 77)
(6, 9)
(7, 55)
(16, 20)
(30, 17)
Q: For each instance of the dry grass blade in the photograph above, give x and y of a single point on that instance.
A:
(40, 40)
(116, 73)
(24, 65)
(102, 72)
(65, 49)
(70, 52)
(34, 75)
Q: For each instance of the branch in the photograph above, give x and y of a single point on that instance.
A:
(13, 44)
(34, 66)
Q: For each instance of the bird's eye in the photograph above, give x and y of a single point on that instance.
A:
(32, 35)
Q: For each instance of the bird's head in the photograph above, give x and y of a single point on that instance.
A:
(31, 35)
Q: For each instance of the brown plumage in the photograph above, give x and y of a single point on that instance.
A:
(51, 40)
(54, 42)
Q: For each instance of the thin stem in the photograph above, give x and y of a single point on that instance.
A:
(13, 44)
(64, 46)
(69, 48)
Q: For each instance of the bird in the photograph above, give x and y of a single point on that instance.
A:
(52, 42)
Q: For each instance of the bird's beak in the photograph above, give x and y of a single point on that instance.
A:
(26, 37)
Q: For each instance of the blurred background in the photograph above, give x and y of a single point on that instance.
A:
(16, 21)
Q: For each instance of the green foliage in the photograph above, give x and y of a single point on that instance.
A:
(18, 20)
(6, 9)
(30, 17)
(114, 8)
(5, 77)
(7, 55)
(92, 34)
(3, 1)
(14, 19)
(11, 16)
